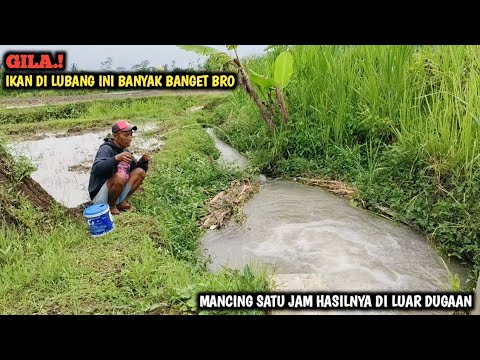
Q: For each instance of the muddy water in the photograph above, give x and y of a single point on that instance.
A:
(63, 162)
(303, 230)
(315, 241)
(230, 156)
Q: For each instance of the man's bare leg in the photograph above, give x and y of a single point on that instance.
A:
(115, 187)
(136, 179)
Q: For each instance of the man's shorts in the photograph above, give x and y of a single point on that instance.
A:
(102, 195)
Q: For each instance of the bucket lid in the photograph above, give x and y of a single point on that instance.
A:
(95, 209)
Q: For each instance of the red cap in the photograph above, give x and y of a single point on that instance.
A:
(123, 125)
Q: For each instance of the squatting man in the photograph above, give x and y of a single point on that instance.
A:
(115, 173)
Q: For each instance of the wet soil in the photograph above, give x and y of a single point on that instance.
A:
(63, 161)
(82, 168)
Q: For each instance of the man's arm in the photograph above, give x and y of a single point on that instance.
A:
(105, 162)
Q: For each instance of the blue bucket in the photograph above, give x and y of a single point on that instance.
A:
(99, 219)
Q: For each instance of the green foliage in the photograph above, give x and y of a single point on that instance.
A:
(260, 80)
(218, 62)
(39, 114)
(177, 193)
(398, 122)
(273, 101)
(200, 49)
(283, 69)
(94, 114)
(274, 50)
(230, 280)
(151, 262)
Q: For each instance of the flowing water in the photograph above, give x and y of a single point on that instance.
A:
(308, 238)
(230, 156)
(313, 240)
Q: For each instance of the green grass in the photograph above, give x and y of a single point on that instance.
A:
(151, 262)
(401, 123)
(95, 114)
(125, 272)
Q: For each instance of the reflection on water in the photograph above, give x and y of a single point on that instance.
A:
(53, 156)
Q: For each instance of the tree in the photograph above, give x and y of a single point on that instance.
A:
(218, 62)
(74, 68)
(270, 86)
(142, 67)
(106, 65)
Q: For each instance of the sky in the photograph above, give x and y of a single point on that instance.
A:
(90, 57)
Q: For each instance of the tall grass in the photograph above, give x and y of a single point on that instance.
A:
(400, 122)
(444, 101)
(424, 95)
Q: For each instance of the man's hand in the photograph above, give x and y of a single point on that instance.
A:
(145, 157)
(124, 156)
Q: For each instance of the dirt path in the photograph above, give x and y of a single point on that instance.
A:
(69, 99)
